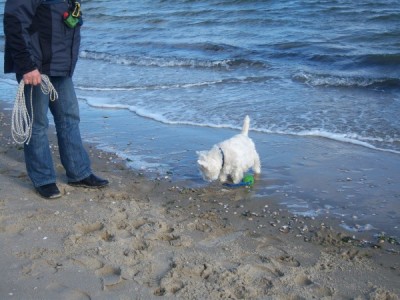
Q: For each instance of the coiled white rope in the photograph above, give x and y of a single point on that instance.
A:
(21, 121)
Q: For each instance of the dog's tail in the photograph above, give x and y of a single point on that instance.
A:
(246, 125)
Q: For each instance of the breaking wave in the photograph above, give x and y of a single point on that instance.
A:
(346, 81)
(170, 61)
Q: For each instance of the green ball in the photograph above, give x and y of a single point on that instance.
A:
(248, 180)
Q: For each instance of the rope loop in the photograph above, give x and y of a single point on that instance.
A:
(21, 121)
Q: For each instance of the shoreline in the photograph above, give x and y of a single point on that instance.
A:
(309, 176)
(144, 237)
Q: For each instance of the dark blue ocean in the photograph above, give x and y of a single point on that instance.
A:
(325, 69)
(318, 68)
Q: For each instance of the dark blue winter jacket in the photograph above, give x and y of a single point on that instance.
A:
(37, 38)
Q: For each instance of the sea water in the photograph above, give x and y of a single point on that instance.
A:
(318, 68)
(328, 68)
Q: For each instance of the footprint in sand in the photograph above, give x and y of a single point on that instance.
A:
(110, 276)
(269, 253)
(288, 260)
(321, 291)
(88, 228)
(303, 280)
(317, 290)
(64, 292)
(88, 262)
(88, 233)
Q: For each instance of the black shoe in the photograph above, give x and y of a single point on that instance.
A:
(49, 191)
(91, 181)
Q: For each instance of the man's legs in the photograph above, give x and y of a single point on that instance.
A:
(38, 159)
(65, 110)
(74, 157)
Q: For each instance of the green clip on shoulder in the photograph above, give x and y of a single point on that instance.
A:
(71, 19)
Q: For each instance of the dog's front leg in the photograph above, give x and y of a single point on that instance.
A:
(237, 176)
(222, 177)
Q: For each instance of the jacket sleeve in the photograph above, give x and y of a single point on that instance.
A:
(18, 17)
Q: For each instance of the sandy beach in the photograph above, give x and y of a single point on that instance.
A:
(156, 238)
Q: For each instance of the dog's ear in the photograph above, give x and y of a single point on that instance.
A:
(201, 153)
(201, 162)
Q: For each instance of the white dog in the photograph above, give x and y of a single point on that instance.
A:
(230, 159)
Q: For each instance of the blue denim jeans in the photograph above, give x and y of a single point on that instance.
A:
(65, 111)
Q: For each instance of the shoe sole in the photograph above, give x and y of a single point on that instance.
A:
(51, 197)
(88, 186)
(55, 196)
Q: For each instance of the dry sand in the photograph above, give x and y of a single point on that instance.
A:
(144, 238)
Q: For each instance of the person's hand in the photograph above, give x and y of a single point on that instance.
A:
(34, 77)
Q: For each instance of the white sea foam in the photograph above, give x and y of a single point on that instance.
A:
(161, 62)
(149, 87)
(351, 138)
(342, 80)
(186, 85)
